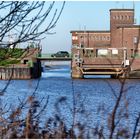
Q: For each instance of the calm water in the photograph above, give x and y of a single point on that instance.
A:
(93, 96)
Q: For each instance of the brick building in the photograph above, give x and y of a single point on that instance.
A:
(115, 52)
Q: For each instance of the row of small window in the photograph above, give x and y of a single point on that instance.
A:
(99, 52)
(105, 38)
(108, 53)
(96, 37)
(122, 17)
(102, 52)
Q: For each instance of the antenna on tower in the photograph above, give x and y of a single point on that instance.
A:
(79, 26)
(123, 6)
(117, 2)
(133, 4)
(134, 11)
(84, 27)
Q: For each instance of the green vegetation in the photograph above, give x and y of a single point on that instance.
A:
(135, 56)
(8, 62)
(10, 56)
(16, 53)
(30, 63)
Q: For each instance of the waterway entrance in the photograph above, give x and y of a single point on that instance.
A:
(90, 95)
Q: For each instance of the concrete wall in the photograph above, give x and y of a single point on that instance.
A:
(21, 72)
(14, 73)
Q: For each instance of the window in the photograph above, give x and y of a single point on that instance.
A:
(135, 40)
(115, 51)
(108, 38)
(25, 61)
(74, 38)
(104, 38)
(82, 45)
(95, 38)
(76, 56)
(90, 37)
(125, 17)
(132, 53)
(102, 52)
(89, 53)
(114, 17)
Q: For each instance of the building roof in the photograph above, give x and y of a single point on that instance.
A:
(121, 9)
(90, 31)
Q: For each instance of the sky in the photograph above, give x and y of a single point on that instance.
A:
(80, 15)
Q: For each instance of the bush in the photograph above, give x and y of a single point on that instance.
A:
(9, 56)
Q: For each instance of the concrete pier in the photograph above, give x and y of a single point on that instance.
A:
(15, 73)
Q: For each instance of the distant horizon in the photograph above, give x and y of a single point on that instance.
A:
(83, 15)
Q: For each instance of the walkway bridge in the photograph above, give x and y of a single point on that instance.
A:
(48, 57)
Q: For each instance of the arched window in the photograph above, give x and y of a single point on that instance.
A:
(90, 37)
(103, 37)
(126, 17)
(95, 38)
(108, 38)
(114, 17)
(74, 38)
(120, 17)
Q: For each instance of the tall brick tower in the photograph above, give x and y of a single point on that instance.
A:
(119, 17)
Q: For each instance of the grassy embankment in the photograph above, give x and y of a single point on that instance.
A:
(10, 56)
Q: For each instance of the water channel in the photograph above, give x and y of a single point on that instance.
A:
(93, 96)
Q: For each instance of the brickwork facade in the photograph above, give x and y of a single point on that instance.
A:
(108, 48)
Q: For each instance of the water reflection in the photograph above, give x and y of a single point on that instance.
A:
(90, 94)
(61, 71)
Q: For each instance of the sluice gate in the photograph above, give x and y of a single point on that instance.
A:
(119, 66)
